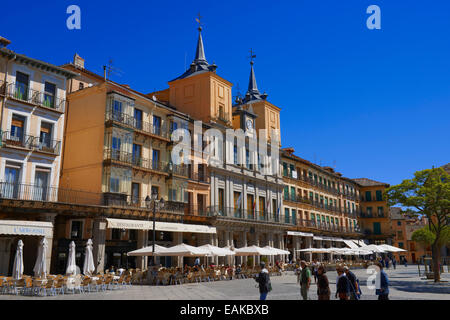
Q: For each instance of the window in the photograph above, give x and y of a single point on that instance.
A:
(376, 228)
(45, 135)
(115, 234)
(17, 128)
(293, 193)
(399, 223)
(76, 230)
(285, 169)
(22, 80)
(369, 211)
(156, 125)
(237, 200)
(247, 159)
(368, 196)
(286, 193)
(173, 126)
(138, 119)
(132, 235)
(291, 170)
(81, 86)
(286, 215)
(235, 155)
(380, 211)
(12, 175)
(311, 196)
(399, 234)
(117, 110)
(221, 200)
(49, 95)
(137, 152)
(400, 245)
(155, 189)
(114, 184)
(41, 178)
(294, 216)
(379, 195)
(135, 193)
(155, 159)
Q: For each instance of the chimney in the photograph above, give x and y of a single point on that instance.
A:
(78, 61)
(4, 42)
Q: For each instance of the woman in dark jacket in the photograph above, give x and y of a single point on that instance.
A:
(264, 282)
(323, 287)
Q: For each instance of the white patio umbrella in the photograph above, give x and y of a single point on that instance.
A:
(390, 248)
(217, 251)
(71, 264)
(314, 250)
(277, 251)
(148, 251)
(254, 251)
(185, 250)
(373, 247)
(18, 262)
(88, 266)
(40, 267)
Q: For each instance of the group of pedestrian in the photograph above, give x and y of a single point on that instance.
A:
(347, 284)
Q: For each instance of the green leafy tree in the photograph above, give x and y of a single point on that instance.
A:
(428, 194)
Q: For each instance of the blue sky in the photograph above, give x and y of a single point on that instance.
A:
(374, 103)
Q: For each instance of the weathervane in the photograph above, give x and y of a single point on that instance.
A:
(199, 21)
(252, 56)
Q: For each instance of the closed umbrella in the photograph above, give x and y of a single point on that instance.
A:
(71, 264)
(18, 262)
(88, 267)
(389, 248)
(40, 267)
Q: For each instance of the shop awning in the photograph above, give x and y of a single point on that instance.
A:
(26, 228)
(159, 226)
(351, 244)
(318, 238)
(299, 234)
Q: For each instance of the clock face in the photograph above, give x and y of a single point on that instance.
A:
(249, 124)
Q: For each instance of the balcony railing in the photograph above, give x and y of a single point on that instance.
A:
(137, 124)
(132, 160)
(199, 177)
(30, 142)
(242, 214)
(40, 98)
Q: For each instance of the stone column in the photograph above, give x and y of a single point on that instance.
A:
(309, 241)
(257, 260)
(142, 241)
(99, 239)
(244, 244)
(178, 239)
(294, 248)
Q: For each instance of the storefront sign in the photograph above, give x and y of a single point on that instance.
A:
(159, 226)
(27, 228)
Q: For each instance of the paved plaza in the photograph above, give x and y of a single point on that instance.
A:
(405, 285)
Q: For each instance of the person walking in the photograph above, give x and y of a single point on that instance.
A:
(314, 270)
(383, 291)
(197, 261)
(323, 286)
(305, 280)
(263, 280)
(394, 263)
(354, 286)
(342, 285)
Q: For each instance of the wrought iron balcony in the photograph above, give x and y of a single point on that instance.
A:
(39, 98)
(237, 213)
(135, 161)
(30, 142)
(142, 126)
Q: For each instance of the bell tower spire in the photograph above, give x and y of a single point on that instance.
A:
(253, 92)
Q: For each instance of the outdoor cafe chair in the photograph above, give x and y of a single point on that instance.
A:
(59, 285)
(86, 284)
(17, 286)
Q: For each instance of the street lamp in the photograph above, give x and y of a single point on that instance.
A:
(160, 205)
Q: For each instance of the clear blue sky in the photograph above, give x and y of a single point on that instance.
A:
(376, 103)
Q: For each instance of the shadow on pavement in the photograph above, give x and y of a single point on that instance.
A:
(419, 286)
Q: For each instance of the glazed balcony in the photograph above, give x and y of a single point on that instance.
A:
(35, 97)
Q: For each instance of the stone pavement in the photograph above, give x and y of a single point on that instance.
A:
(405, 285)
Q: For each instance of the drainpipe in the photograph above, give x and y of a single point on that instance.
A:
(4, 98)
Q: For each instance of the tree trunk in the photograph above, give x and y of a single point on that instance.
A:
(436, 261)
